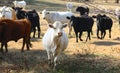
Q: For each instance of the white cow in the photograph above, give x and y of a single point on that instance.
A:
(7, 12)
(69, 6)
(55, 41)
(117, 13)
(52, 16)
(21, 4)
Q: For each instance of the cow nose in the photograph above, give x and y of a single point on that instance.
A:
(60, 34)
(3, 16)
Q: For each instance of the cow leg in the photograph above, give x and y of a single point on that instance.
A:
(55, 57)
(76, 36)
(109, 33)
(27, 45)
(55, 62)
(23, 45)
(2, 47)
(119, 21)
(88, 36)
(80, 36)
(6, 47)
(49, 57)
(91, 32)
(34, 31)
(98, 34)
(104, 34)
(39, 31)
(70, 29)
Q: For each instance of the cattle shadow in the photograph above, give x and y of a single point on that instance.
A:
(23, 61)
(35, 39)
(105, 43)
(36, 60)
(88, 63)
(117, 38)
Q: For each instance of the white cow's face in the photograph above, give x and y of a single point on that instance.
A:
(6, 13)
(44, 14)
(58, 28)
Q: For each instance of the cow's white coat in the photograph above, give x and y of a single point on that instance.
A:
(21, 4)
(52, 16)
(53, 43)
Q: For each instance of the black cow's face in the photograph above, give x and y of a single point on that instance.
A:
(17, 8)
(19, 12)
(83, 10)
(72, 18)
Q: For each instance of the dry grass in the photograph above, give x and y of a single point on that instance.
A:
(95, 56)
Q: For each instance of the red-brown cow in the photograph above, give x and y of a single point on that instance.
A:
(15, 30)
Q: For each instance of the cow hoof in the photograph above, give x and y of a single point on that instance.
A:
(81, 40)
(2, 51)
(22, 51)
(76, 41)
(28, 49)
(6, 51)
(98, 37)
(109, 36)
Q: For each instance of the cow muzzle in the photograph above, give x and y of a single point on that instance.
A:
(44, 18)
(59, 34)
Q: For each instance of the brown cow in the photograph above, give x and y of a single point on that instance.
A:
(15, 30)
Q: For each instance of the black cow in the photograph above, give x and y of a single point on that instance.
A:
(80, 24)
(103, 23)
(84, 10)
(32, 16)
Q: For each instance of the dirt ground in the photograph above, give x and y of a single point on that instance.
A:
(94, 56)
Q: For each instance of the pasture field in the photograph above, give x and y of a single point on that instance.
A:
(95, 56)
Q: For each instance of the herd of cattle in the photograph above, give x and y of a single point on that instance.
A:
(17, 23)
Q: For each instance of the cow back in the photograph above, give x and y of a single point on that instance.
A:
(82, 23)
(14, 30)
(105, 23)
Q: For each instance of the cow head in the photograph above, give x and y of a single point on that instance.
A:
(6, 12)
(83, 10)
(19, 12)
(58, 28)
(44, 14)
(71, 20)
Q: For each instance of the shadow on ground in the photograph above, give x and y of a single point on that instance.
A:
(35, 61)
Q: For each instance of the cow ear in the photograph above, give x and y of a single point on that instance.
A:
(51, 26)
(64, 25)
(94, 16)
(21, 8)
(48, 12)
(68, 17)
(13, 7)
(40, 12)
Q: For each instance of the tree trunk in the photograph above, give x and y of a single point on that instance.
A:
(116, 1)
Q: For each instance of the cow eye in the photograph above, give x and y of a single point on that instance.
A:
(47, 13)
(54, 28)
